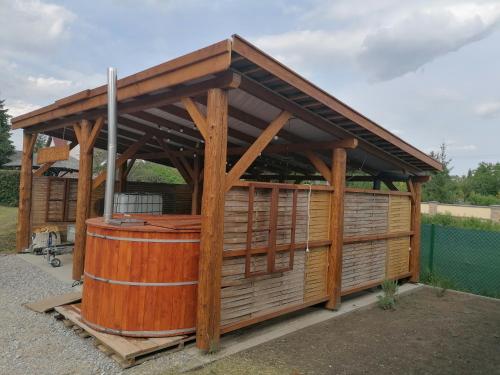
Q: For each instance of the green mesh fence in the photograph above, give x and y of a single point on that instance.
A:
(468, 259)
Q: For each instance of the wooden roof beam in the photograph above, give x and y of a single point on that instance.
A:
(226, 79)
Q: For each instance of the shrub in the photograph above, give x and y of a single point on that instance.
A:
(388, 300)
(442, 284)
(9, 188)
(482, 200)
(461, 222)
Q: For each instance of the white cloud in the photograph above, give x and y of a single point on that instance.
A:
(401, 38)
(32, 27)
(49, 82)
(488, 109)
(18, 107)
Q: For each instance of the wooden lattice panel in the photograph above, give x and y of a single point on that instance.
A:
(316, 273)
(398, 257)
(365, 213)
(236, 218)
(363, 263)
(399, 213)
(319, 212)
(244, 298)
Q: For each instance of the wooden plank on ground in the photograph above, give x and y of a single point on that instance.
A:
(49, 303)
(127, 351)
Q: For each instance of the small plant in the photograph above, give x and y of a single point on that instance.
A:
(440, 283)
(388, 300)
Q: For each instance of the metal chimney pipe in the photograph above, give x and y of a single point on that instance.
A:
(110, 173)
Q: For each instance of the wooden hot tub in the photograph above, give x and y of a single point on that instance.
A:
(141, 280)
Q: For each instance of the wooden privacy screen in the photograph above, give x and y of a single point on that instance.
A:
(255, 283)
(61, 200)
(54, 199)
(377, 230)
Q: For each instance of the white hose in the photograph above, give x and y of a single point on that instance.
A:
(308, 217)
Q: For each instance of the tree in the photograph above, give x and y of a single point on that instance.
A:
(6, 146)
(146, 171)
(442, 187)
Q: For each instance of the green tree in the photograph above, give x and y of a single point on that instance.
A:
(485, 179)
(6, 146)
(146, 171)
(442, 187)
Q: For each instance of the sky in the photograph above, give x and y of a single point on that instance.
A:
(427, 70)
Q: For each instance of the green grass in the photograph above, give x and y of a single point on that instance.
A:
(8, 221)
(447, 220)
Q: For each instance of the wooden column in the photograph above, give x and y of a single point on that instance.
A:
(334, 277)
(212, 223)
(196, 187)
(25, 182)
(86, 135)
(415, 238)
(122, 177)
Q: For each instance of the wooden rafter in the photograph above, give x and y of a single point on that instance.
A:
(131, 151)
(225, 79)
(198, 118)
(256, 148)
(175, 162)
(320, 165)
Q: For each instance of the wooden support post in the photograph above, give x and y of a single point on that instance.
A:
(212, 223)
(25, 182)
(83, 132)
(415, 227)
(122, 177)
(196, 187)
(334, 277)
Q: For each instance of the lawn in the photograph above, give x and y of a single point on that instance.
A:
(8, 221)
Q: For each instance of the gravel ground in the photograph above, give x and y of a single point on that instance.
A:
(33, 343)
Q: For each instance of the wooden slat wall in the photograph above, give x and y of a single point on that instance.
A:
(315, 273)
(365, 213)
(398, 259)
(399, 213)
(319, 221)
(363, 262)
(245, 298)
(176, 199)
(39, 203)
(236, 218)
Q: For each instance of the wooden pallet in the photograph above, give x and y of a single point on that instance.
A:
(127, 351)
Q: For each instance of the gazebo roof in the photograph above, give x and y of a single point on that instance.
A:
(260, 87)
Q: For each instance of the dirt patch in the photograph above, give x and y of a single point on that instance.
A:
(426, 334)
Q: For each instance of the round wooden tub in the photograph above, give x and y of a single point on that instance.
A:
(141, 280)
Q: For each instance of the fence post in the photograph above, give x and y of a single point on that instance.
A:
(431, 248)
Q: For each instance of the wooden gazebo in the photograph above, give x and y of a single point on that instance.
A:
(227, 115)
